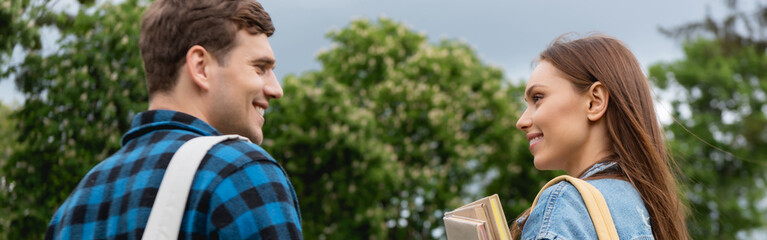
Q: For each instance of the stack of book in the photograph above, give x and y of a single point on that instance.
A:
(481, 220)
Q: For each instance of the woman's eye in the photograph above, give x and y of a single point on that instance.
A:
(536, 98)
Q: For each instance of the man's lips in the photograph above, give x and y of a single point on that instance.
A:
(260, 110)
(260, 107)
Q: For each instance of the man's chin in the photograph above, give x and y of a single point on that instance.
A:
(257, 141)
(256, 137)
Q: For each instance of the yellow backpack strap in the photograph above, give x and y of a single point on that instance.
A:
(595, 204)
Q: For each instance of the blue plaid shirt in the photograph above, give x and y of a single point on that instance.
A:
(239, 190)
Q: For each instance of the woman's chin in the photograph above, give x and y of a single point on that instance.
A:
(543, 164)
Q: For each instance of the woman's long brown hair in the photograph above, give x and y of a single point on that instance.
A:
(635, 132)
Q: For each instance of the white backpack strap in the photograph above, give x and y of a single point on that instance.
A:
(168, 209)
(595, 204)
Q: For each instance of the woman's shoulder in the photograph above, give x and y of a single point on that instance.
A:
(626, 207)
(616, 189)
(560, 212)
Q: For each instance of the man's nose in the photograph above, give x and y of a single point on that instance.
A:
(272, 88)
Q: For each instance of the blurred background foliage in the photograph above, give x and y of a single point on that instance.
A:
(7, 146)
(720, 139)
(79, 100)
(16, 29)
(393, 130)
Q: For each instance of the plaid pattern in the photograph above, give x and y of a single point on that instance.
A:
(239, 191)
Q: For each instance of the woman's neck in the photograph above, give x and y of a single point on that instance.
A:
(596, 148)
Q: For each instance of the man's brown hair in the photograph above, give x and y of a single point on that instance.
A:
(170, 27)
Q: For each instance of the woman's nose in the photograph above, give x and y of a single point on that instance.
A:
(524, 121)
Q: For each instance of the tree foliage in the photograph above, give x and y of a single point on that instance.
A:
(80, 100)
(16, 27)
(7, 146)
(720, 140)
(392, 131)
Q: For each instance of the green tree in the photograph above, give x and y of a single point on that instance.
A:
(16, 28)
(7, 146)
(80, 100)
(391, 132)
(720, 140)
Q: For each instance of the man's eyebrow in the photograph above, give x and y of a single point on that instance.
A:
(266, 61)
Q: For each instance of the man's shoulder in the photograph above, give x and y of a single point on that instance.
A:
(242, 181)
(239, 157)
(241, 152)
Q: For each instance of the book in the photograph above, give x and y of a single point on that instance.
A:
(466, 228)
(488, 211)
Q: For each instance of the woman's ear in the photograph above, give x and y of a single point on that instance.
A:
(198, 60)
(599, 97)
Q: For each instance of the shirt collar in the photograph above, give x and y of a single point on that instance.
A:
(152, 120)
(598, 167)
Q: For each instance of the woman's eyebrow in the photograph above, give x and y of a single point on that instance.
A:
(530, 90)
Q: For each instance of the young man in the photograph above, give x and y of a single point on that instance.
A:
(209, 72)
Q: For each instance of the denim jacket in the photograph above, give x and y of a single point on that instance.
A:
(561, 213)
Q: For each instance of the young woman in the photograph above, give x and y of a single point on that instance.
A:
(590, 113)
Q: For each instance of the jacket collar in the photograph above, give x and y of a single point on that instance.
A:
(149, 121)
(598, 167)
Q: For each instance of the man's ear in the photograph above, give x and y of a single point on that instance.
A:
(198, 62)
(599, 97)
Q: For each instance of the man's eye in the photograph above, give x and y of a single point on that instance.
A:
(259, 69)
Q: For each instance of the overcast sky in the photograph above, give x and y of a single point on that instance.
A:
(505, 33)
